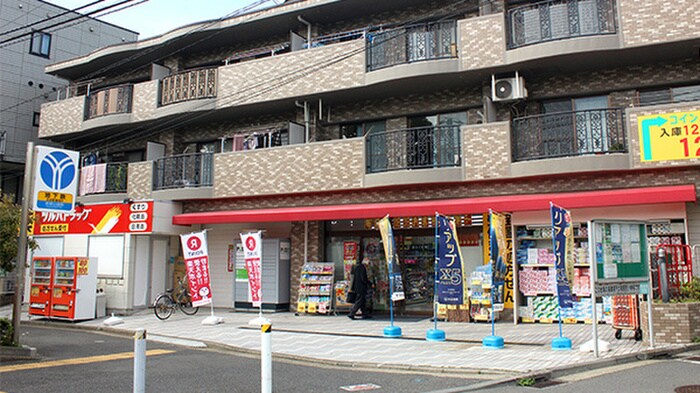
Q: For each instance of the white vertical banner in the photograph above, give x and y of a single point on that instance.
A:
(196, 255)
(252, 254)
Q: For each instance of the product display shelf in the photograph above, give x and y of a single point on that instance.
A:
(316, 288)
(417, 264)
(535, 261)
(480, 294)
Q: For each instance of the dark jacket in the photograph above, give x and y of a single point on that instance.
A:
(360, 282)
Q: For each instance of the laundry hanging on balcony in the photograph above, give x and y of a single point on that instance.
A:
(93, 179)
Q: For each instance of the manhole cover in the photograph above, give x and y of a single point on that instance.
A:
(688, 389)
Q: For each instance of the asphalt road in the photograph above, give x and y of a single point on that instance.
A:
(83, 361)
(650, 376)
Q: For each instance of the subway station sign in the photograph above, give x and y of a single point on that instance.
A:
(136, 217)
(55, 179)
(669, 136)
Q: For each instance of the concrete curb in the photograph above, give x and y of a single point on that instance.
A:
(17, 353)
(574, 369)
(281, 356)
(507, 376)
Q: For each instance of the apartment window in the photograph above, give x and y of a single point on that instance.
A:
(573, 126)
(433, 140)
(354, 130)
(41, 44)
(35, 119)
(669, 95)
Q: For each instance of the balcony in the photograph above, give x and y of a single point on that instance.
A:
(567, 134)
(109, 101)
(183, 171)
(110, 178)
(559, 19)
(413, 148)
(188, 85)
(430, 41)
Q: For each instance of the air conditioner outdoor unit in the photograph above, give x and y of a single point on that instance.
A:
(508, 89)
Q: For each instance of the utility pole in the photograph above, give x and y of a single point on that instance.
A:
(20, 265)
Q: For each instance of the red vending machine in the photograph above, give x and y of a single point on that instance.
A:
(40, 292)
(74, 289)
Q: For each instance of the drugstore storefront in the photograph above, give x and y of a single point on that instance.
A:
(349, 240)
(322, 233)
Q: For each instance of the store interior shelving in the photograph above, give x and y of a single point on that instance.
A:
(316, 288)
(535, 261)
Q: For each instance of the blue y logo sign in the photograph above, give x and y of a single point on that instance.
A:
(57, 170)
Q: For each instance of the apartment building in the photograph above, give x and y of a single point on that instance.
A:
(311, 119)
(35, 34)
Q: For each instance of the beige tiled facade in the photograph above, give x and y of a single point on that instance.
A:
(483, 42)
(319, 167)
(486, 151)
(633, 127)
(317, 70)
(648, 22)
(62, 117)
(145, 101)
(140, 180)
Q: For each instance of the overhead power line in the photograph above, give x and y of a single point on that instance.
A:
(88, 77)
(249, 92)
(74, 10)
(9, 41)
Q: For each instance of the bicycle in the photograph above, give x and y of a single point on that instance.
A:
(171, 299)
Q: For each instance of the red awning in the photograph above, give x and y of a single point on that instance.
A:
(510, 203)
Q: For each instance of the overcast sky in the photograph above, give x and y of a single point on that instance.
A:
(155, 17)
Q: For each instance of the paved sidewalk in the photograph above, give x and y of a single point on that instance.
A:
(359, 343)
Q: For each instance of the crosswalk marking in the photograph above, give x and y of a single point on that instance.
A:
(85, 360)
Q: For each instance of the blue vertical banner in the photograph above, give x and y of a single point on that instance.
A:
(498, 257)
(563, 242)
(451, 287)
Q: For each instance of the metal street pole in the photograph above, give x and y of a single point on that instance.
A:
(20, 266)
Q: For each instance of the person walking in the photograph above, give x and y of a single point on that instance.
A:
(359, 287)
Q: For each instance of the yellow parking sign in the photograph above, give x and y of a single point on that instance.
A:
(669, 136)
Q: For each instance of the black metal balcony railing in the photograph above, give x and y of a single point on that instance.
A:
(182, 171)
(188, 85)
(559, 19)
(568, 134)
(108, 101)
(430, 41)
(115, 179)
(414, 148)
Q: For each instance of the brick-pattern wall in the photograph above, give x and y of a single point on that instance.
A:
(324, 166)
(314, 254)
(486, 151)
(145, 101)
(187, 134)
(552, 184)
(140, 180)
(324, 69)
(482, 42)
(648, 22)
(631, 114)
(642, 76)
(443, 101)
(62, 117)
(674, 323)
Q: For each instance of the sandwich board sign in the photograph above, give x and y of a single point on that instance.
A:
(55, 179)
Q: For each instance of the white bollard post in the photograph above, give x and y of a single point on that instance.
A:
(266, 357)
(140, 361)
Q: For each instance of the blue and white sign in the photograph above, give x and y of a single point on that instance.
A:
(55, 179)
